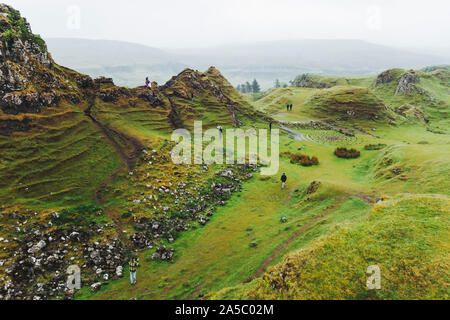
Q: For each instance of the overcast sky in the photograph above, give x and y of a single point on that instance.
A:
(194, 23)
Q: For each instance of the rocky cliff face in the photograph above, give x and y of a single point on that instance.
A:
(407, 82)
(29, 78)
(309, 81)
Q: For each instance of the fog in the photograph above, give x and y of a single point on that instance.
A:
(206, 23)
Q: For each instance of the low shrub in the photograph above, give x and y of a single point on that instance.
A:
(81, 215)
(304, 160)
(126, 215)
(347, 154)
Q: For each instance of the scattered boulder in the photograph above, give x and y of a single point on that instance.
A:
(313, 187)
(96, 286)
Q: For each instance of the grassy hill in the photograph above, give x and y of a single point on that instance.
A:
(86, 178)
(404, 237)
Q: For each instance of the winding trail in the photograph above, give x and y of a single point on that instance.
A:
(296, 135)
(128, 162)
(296, 235)
(330, 209)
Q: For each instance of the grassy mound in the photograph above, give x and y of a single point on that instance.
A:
(406, 238)
(349, 103)
(414, 168)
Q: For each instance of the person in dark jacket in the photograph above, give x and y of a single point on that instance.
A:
(283, 180)
(147, 83)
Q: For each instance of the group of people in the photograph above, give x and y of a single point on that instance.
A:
(289, 107)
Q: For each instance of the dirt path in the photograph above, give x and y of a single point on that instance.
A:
(194, 294)
(128, 162)
(296, 235)
(295, 135)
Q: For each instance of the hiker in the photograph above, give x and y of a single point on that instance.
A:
(283, 180)
(147, 83)
(270, 125)
(133, 266)
(220, 129)
(292, 106)
(287, 107)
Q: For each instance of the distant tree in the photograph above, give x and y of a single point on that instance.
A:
(248, 87)
(243, 88)
(238, 88)
(277, 83)
(285, 85)
(255, 86)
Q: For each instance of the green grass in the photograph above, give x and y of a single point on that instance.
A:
(58, 163)
(329, 236)
(405, 237)
(220, 255)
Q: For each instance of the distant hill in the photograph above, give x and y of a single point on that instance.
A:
(129, 63)
(286, 59)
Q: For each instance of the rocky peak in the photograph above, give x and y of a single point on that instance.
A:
(193, 83)
(384, 77)
(29, 79)
(18, 43)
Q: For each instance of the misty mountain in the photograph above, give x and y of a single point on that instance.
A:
(129, 63)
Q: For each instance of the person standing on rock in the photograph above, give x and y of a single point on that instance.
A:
(283, 180)
(147, 83)
(133, 268)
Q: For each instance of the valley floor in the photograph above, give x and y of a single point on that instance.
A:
(247, 236)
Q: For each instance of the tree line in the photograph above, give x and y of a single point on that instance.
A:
(248, 87)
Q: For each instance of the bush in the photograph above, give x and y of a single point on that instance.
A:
(304, 160)
(8, 35)
(126, 215)
(347, 154)
(301, 159)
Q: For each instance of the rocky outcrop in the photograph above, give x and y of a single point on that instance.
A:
(311, 81)
(412, 113)
(384, 77)
(407, 82)
(30, 102)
